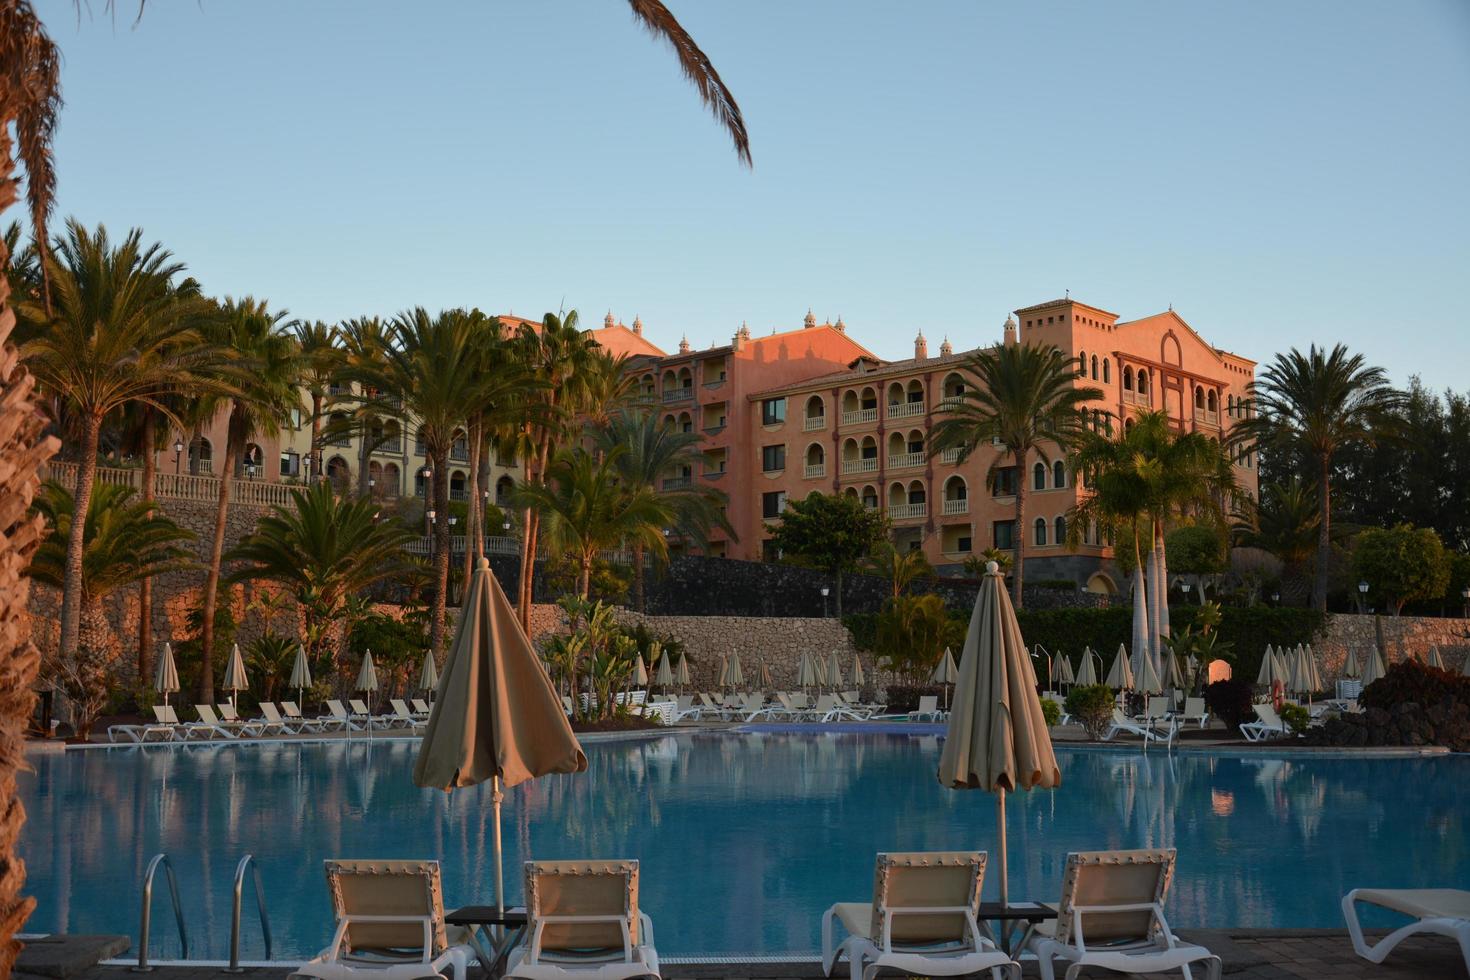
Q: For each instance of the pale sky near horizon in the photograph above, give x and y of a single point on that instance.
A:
(1281, 173)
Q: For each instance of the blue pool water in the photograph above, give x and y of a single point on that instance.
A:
(744, 838)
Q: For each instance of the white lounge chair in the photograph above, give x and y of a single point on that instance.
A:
(421, 707)
(403, 716)
(1195, 711)
(209, 725)
(921, 920)
(1439, 911)
(390, 924)
(275, 721)
(1144, 729)
(584, 921)
(321, 723)
(269, 723)
(1268, 724)
(830, 708)
(363, 715)
(1112, 916)
(928, 709)
(164, 727)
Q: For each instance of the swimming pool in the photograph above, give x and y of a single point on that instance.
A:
(744, 838)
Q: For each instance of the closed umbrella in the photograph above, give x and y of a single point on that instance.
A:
(859, 679)
(235, 679)
(429, 675)
(1267, 674)
(1283, 664)
(1350, 667)
(498, 717)
(724, 679)
(1061, 669)
(1373, 668)
(1147, 681)
(681, 672)
(763, 676)
(300, 674)
(806, 672)
(166, 678)
(996, 739)
(1434, 659)
(1120, 675)
(737, 674)
(1173, 674)
(834, 672)
(367, 675)
(1086, 674)
(945, 672)
(664, 676)
(640, 672)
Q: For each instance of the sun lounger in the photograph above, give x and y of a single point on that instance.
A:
(1268, 724)
(404, 716)
(1194, 710)
(268, 724)
(209, 725)
(339, 715)
(321, 723)
(275, 721)
(164, 728)
(1145, 729)
(832, 708)
(928, 710)
(421, 708)
(1112, 916)
(362, 714)
(1440, 911)
(584, 921)
(921, 920)
(390, 924)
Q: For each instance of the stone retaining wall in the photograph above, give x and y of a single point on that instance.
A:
(1397, 637)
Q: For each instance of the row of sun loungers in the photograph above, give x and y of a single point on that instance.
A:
(222, 722)
(787, 706)
(924, 918)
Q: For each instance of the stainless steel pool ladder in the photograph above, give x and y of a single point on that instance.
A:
(173, 892)
(248, 861)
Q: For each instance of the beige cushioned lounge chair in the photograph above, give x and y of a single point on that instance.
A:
(1112, 916)
(584, 922)
(390, 924)
(921, 920)
(1441, 911)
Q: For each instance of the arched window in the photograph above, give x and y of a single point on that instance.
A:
(391, 484)
(1199, 398)
(1142, 381)
(1038, 476)
(457, 486)
(503, 488)
(1040, 533)
(339, 474)
(1127, 425)
(916, 493)
(1212, 403)
(1082, 363)
(1094, 367)
(955, 488)
(1127, 378)
(1105, 371)
(815, 407)
(1060, 536)
(1058, 473)
(870, 497)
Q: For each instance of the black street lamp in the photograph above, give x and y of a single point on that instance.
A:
(1465, 594)
(178, 456)
(825, 590)
(1362, 595)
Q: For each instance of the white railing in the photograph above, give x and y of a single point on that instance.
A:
(814, 470)
(1132, 397)
(950, 455)
(1207, 417)
(678, 482)
(905, 512)
(678, 394)
(904, 461)
(814, 422)
(950, 402)
(180, 486)
(494, 545)
(961, 506)
(860, 416)
(860, 465)
(905, 410)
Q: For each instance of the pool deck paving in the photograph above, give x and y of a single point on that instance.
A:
(1254, 954)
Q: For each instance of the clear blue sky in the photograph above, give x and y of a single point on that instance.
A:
(1281, 173)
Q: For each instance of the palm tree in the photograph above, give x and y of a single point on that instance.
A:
(589, 510)
(119, 334)
(318, 346)
(323, 549)
(1283, 521)
(651, 452)
(1025, 399)
(901, 568)
(262, 398)
(1314, 404)
(143, 426)
(125, 541)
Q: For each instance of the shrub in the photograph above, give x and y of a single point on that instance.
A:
(1230, 701)
(1413, 682)
(1052, 712)
(1092, 706)
(905, 697)
(1296, 717)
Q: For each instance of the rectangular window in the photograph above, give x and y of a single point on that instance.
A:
(773, 411)
(772, 504)
(1004, 534)
(290, 464)
(963, 545)
(1005, 482)
(773, 458)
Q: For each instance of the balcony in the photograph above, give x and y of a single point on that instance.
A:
(389, 446)
(1206, 417)
(905, 410)
(459, 453)
(950, 455)
(860, 416)
(678, 395)
(860, 465)
(677, 482)
(1131, 397)
(905, 461)
(950, 402)
(814, 471)
(908, 512)
(814, 422)
(955, 507)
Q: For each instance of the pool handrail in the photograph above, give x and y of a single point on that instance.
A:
(248, 861)
(147, 914)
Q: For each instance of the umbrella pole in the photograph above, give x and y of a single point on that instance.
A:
(495, 798)
(1000, 841)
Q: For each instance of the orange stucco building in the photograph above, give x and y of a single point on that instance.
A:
(812, 410)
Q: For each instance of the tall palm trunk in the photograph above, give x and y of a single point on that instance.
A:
(1324, 532)
(316, 437)
(1155, 593)
(584, 576)
(528, 546)
(1018, 579)
(24, 449)
(441, 551)
(145, 587)
(640, 592)
(1165, 628)
(216, 558)
(71, 592)
(474, 535)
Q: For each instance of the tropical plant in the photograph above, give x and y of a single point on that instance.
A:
(269, 659)
(911, 633)
(118, 333)
(1295, 717)
(833, 532)
(975, 565)
(1283, 521)
(901, 567)
(323, 550)
(1313, 405)
(318, 346)
(1401, 565)
(588, 509)
(1051, 712)
(1025, 399)
(1091, 705)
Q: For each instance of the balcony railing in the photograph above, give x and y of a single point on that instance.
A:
(905, 461)
(905, 410)
(677, 482)
(180, 486)
(953, 507)
(678, 394)
(1207, 417)
(860, 416)
(907, 512)
(1131, 397)
(950, 455)
(814, 471)
(950, 402)
(860, 465)
(460, 453)
(814, 422)
(390, 446)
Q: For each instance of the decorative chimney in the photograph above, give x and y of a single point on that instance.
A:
(1009, 335)
(921, 347)
(608, 321)
(638, 325)
(810, 320)
(741, 336)
(684, 344)
(841, 327)
(946, 348)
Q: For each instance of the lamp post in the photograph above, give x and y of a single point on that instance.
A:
(1362, 596)
(429, 522)
(178, 456)
(1184, 586)
(1465, 594)
(825, 590)
(1276, 598)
